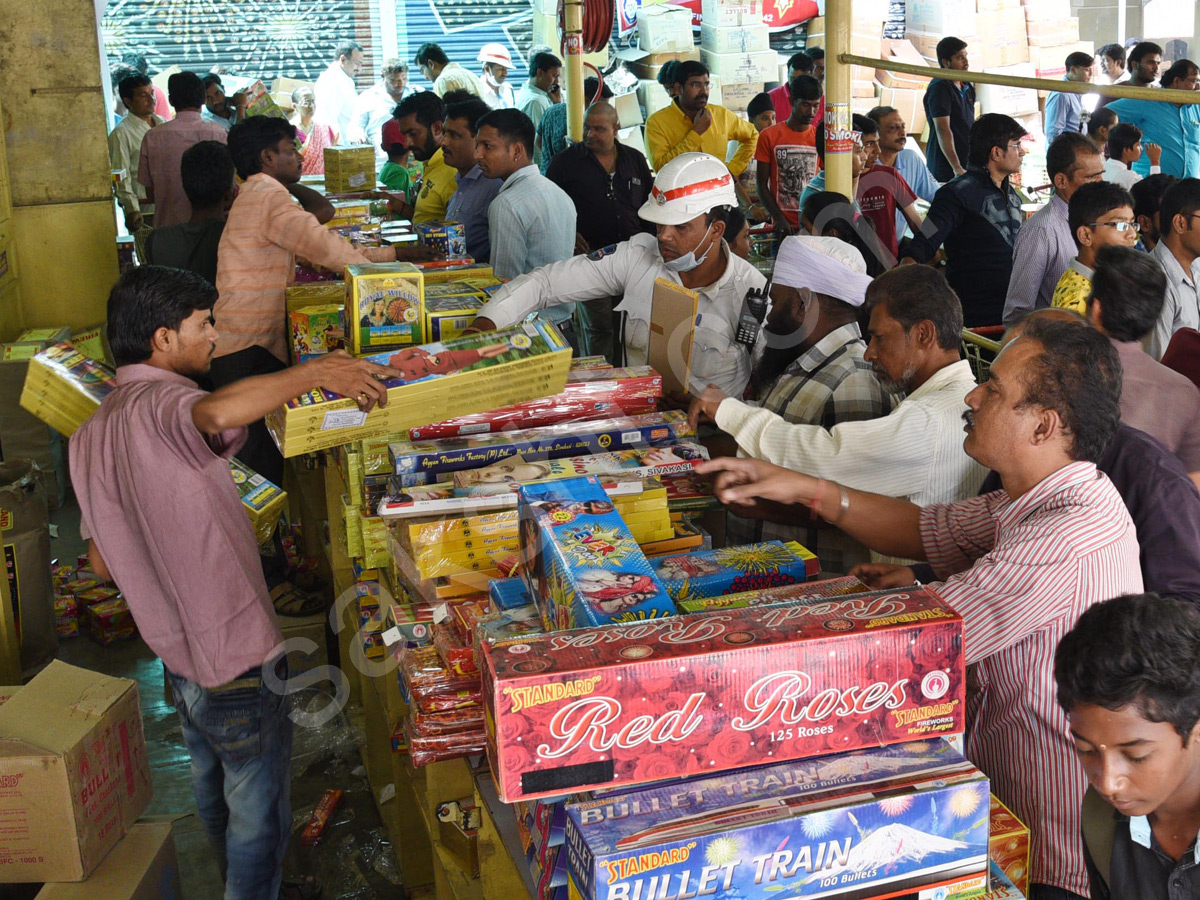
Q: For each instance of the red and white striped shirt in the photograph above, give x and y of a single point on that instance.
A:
(1020, 572)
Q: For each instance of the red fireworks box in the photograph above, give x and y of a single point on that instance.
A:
(667, 698)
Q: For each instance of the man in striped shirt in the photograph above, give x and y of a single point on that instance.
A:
(1020, 564)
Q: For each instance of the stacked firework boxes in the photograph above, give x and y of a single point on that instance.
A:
(844, 695)
(85, 602)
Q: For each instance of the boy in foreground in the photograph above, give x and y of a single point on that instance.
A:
(164, 521)
(1128, 678)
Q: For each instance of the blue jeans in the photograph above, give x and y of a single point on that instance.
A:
(239, 736)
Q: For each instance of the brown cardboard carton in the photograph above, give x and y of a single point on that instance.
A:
(903, 52)
(74, 775)
(143, 866)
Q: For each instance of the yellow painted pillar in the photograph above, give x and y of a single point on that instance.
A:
(573, 63)
(838, 146)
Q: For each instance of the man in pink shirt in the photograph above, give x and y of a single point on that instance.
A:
(165, 522)
(164, 145)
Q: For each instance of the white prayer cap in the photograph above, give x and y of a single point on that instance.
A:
(825, 265)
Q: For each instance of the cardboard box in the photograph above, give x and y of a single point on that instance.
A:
(384, 305)
(582, 565)
(737, 96)
(664, 29)
(143, 866)
(910, 103)
(903, 52)
(688, 694)
(724, 13)
(446, 378)
(1050, 62)
(758, 65)
(735, 38)
(449, 317)
(1011, 101)
(876, 821)
(645, 64)
(926, 43)
(1053, 32)
(305, 656)
(1046, 9)
(349, 169)
(941, 17)
(1004, 38)
(74, 772)
(629, 113)
(993, 5)
(1008, 844)
(816, 33)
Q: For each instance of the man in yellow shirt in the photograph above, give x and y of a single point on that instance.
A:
(689, 124)
(420, 116)
(1100, 215)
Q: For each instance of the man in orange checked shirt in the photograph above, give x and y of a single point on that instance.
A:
(256, 261)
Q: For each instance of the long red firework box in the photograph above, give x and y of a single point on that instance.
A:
(636, 703)
(847, 824)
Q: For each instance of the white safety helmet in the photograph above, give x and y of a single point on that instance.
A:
(689, 185)
(495, 53)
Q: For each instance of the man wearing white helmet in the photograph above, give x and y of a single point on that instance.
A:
(497, 92)
(915, 331)
(686, 206)
(375, 106)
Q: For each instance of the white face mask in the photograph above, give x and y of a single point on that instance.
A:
(688, 261)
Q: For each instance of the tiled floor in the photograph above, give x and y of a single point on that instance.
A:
(353, 861)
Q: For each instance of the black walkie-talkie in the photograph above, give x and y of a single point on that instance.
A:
(754, 310)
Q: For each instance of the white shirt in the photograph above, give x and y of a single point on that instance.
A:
(336, 100)
(497, 96)
(371, 110)
(455, 78)
(915, 452)
(1181, 308)
(124, 152)
(1117, 172)
(629, 270)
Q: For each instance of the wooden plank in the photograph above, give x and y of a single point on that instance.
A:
(501, 874)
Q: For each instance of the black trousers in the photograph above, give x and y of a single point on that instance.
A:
(260, 452)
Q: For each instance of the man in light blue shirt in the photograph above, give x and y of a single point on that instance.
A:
(531, 221)
(1174, 127)
(1064, 112)
(1179, 255)
(470, 202)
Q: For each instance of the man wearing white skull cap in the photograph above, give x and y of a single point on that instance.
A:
(916, 451)
(812, 371)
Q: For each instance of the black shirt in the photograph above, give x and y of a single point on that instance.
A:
(606, 206)
(1164, 505)
(1140, 872)
(978, 224)
(187, 246)
(945, 98)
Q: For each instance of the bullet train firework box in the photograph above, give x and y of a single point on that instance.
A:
(433, 458)
(849, 824)
(459, 376)
(635, 703)
(733, 570)
(582, 564)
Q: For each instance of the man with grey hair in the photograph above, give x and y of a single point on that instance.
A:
(376, 104)
(608, 183)
(335, 91)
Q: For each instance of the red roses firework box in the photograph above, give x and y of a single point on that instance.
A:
(734, 570)
(631, 704)
(582, 564)
(848, 824)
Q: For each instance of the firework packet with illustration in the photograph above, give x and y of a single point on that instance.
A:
(895, 817)
(734, 570)
(582, 564)
(635, 703)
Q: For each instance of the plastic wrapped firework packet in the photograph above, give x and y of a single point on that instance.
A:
(456, 656)
(721, 690)
(432, 686)
(641, 462)
(732, 570)
(894, 817)
(509, 593)
(844, 586)
(63, 387)
(583, 567)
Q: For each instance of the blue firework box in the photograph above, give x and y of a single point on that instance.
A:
(508, 593)
(849, 825)
(427, 462)
(582, 564)
(730, 570)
